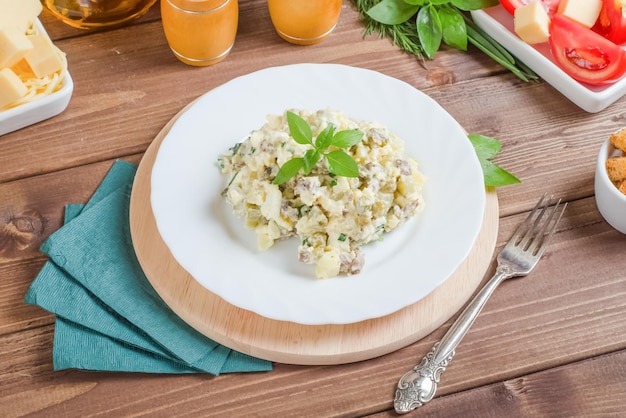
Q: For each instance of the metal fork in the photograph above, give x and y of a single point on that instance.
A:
(418, 386)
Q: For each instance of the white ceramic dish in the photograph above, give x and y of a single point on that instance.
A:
(498, 23)
(212, 244)
(610, 202)
(40, 109)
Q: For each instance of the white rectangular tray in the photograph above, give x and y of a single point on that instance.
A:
(498, 23)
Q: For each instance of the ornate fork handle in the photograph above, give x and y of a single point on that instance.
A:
(418, 386)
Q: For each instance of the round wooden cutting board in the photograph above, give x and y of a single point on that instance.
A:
(288, 342)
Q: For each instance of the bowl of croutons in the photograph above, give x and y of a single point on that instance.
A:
(610, 182)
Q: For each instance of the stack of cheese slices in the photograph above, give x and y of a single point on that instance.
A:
(31, 66)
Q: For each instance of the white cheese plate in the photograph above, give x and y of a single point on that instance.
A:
(498, 23)
(38, 110)
(209, 242)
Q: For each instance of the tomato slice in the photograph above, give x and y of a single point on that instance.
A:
(549, 5)
(583, 54)
(612, 21)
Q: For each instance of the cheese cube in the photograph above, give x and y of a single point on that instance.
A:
(19, 13)
(13, 46)
(585, 12)
(532, 23)
(11, 87)
(43, 59)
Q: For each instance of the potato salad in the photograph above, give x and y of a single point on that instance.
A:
(331, 215)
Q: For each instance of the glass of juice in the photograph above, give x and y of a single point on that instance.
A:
(200, 32)
(96, 14)
(304, 22)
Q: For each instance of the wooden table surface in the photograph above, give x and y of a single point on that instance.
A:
(552, 344)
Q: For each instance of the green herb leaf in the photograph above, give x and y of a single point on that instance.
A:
(342, 164)
(392, 12)
(325, 138)
(468, 5)
(496, 176)
(486, 148)
(299, 129)
(311, 157)
(429, 29)
(453, 28)
(347, 138)
(288, 170)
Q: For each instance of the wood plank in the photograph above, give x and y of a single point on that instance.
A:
(592, 387)
(90, 129)
(554, 322)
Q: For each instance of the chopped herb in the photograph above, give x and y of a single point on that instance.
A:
(342, 237)
(303, 210)
(235, 148)
(333, 183)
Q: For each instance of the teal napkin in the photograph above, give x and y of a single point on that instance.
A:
(108, 316)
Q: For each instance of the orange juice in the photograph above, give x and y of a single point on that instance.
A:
(200, 32)
(98, 14)
(304, 22)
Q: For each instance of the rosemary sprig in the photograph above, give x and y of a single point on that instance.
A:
(405, 36)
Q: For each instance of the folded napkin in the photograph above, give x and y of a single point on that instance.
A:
(108, 316)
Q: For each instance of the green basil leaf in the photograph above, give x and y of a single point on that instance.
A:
(288, 170)
(453, 28)
(439, 2)
(418, 2)
(485, 147)
(429, 30)
(325, 138)
(311, 157)
(496, 176)
(342, 164)
(392, 12)
(299, 129)
(474, 4)
(347, 138)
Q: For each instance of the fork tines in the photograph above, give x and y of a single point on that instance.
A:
(530, 236)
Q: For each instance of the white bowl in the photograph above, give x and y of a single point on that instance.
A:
(611, 203)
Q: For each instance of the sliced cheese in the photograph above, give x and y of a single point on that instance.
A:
(14, 44)
(19, 13)
(11, 87)
(43, 59)
(532, 23)
(585, 12)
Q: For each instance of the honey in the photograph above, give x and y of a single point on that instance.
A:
(96, 14)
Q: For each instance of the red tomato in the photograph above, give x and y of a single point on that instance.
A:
(612, 21)
(549, 5)
(584, 54)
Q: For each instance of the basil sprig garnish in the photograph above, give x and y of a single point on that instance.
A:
(339, 162)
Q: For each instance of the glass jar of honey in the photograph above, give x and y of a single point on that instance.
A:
(96, 14)
(200, 32)
(304, 22)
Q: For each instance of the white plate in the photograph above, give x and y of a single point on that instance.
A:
(498, 23)
(212, 244)
(40, 109)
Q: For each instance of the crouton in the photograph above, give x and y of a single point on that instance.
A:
(618, 139)
(616, 168)
(622, 187)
